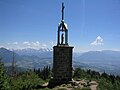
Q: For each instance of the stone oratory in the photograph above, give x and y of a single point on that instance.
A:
(62, 56)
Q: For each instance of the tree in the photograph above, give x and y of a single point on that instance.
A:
(3, 78)
(112, 77)
(44, 73)
(105, 75)
(79, 73)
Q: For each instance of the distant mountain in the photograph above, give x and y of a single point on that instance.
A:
(32, 62)
(100, 56)
(107, 60)
(43, 52)
(7, 55)
(26, 59)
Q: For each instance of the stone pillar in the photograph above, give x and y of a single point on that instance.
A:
(62, 64)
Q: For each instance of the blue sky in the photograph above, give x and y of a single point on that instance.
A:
(93, 24)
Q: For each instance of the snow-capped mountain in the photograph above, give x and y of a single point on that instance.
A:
(42, 52)
(107, 60)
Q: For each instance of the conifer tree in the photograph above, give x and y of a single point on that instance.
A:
(3, 78)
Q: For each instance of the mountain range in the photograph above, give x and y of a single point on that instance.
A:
(106, 60)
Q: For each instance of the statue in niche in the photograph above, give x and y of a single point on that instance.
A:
(62, 38)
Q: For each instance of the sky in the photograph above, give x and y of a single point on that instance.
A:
(92, 24)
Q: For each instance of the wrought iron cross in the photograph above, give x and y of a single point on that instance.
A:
(63, 11)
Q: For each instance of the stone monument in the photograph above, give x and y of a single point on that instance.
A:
(62, 55)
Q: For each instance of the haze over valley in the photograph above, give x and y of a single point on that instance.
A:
(102, 61)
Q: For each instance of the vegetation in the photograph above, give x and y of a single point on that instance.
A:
(32, 80)
(25, 81)
(28, 80)
(4, 85)
(105, 81)
(44, 73)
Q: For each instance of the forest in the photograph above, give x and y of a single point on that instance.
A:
(33, 79)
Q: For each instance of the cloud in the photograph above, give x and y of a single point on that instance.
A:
(37, 43)
(15, 43)
(52, 43)
(26, 43)
(44, 45)
(1, 46)
(34, 45)
(98, 41)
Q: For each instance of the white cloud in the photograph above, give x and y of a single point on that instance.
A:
(15, 43)
(1, 46)
(26, 43)
(34, 45)
(44, 45)
(37, 43)
(52, 43)
(98, 41)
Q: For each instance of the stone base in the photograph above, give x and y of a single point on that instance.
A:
(53, 83)
(62, 63)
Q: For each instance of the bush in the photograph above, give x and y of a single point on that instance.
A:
(4, 85)
(26, 81)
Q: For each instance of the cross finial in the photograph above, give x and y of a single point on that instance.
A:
(63, 11)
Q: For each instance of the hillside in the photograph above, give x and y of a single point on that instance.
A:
(108, 61)
(37, 80)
